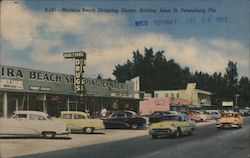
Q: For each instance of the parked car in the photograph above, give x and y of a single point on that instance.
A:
(81, 121)
(124, 119)
(245, 111)
(173, 125)
(32, 123)
(230, 120)
(214, 113)
(198, 116)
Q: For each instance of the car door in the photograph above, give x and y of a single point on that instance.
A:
(38, 124)
(68, 118)
(80, 122)
(15, 125)
(117, 120)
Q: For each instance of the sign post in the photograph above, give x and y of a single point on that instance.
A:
(80, 63)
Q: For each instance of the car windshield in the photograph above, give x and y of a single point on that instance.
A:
(172, 117)
(230, 115)
(160, 113)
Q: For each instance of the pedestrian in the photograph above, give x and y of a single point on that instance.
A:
(104, 112)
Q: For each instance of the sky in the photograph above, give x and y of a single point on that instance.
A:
(200, 34)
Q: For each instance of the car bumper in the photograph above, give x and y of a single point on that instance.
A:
(227, 125)
(162, 132)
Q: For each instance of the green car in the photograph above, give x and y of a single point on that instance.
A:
(80, 121)
(173, 125)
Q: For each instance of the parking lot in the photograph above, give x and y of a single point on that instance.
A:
(13, 146)
(16, 146)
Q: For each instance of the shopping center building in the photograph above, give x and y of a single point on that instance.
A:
(29, 89)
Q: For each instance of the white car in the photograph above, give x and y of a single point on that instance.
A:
(32, 123)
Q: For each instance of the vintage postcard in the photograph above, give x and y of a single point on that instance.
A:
(119, 79)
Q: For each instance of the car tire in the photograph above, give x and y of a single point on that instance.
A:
(178, 133)
(134, 126)
(88, 130)
(48, 134)
(154, 136)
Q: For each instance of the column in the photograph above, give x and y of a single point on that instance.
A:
(44, 103)
(68, 104)
(16, 104)
(28, 102)
(5, 104)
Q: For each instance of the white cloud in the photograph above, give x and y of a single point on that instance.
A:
(107, 41)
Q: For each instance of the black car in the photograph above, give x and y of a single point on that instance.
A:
(124, 119)
(158, 116)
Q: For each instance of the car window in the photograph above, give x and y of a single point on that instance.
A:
(230, 115)
(36, 117)
(186, 118)
(156, 114)
(20, 116)
(77, 116)
(67, 116)
(130, 115)
(118, 115)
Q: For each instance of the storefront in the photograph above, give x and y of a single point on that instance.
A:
(28, 89)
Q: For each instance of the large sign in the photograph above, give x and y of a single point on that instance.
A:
(227, 103)
(189, 93)
(80, 62)
(79, 75)
(80, 54)
(30, 80)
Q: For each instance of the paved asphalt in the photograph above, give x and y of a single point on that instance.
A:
(207, 142)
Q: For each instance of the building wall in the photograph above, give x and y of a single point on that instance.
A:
(154, 104)
(198, 97)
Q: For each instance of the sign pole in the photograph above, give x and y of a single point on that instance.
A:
(80, 63)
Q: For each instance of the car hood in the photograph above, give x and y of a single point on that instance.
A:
(228, 119)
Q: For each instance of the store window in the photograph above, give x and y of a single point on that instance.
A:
(166, 95)
(172, 95)
(177, 95)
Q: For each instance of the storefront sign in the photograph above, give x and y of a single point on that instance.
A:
(79, 54)
(39, 88)
(11, 84)
(30, 80)
(80, 59)
(159, 102)
(227, 103)
(120, 95)
(79, 75)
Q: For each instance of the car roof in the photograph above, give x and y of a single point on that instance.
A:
(124, 111)
(73, 112)
(212, 110)
(230, 112)
(30, 112)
